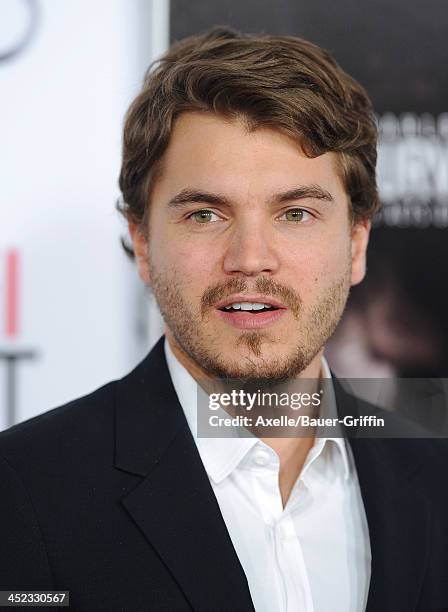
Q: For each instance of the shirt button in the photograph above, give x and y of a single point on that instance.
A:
(261, 457)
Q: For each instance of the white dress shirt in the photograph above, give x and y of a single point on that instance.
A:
(313, 555)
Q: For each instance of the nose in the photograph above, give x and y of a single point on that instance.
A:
(251, 250)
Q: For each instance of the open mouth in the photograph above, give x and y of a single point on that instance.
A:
(260, 312)
(249, 307)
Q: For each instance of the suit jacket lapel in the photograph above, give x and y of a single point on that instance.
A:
(398, 517)
(174, 505)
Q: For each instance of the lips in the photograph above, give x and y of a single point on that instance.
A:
(250, 312)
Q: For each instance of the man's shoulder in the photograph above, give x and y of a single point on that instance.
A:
(427, 453)
(402, 450)
(422, 465)
(81, 433)
(67, 430)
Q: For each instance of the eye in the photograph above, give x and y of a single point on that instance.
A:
(204, 216)
(296, 215)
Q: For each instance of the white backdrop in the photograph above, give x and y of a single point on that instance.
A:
(74, 299)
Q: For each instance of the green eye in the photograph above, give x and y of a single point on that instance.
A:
(203, 216)
(295, 214)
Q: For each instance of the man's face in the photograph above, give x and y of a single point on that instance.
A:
(250, 249)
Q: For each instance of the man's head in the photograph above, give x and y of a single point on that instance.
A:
(248, 178)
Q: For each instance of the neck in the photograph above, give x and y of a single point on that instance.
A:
(292, 451)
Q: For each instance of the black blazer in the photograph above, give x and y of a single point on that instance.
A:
(107, 497)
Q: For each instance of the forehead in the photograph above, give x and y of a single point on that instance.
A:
(212, 152)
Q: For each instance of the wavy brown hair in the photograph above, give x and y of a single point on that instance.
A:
(280, 82)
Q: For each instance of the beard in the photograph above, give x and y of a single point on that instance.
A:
(313, 327)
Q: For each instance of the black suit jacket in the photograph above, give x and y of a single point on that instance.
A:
(107, 497)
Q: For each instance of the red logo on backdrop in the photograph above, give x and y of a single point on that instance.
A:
(11, 293)
(13, 354)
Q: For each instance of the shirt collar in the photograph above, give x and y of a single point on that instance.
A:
(330, 409)
(221, 456)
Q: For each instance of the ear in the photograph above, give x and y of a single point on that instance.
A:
(140, 245)
(360, 240)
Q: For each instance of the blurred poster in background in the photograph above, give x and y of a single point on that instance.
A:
(396, 322)
(73, 314)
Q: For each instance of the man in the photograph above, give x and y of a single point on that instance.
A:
(248, 182)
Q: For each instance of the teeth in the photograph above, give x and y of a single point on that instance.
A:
(247, 306)
(251, 306)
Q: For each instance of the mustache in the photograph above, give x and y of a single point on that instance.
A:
(267, 286)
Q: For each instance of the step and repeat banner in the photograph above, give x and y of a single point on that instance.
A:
(395, 323)
(73, 313)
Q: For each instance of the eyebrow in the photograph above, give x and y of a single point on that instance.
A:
(189, 195)
(316, 192)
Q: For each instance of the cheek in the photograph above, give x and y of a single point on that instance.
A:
(320, 264)
(191, 267)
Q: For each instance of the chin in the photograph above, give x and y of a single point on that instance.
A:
(262, 369)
